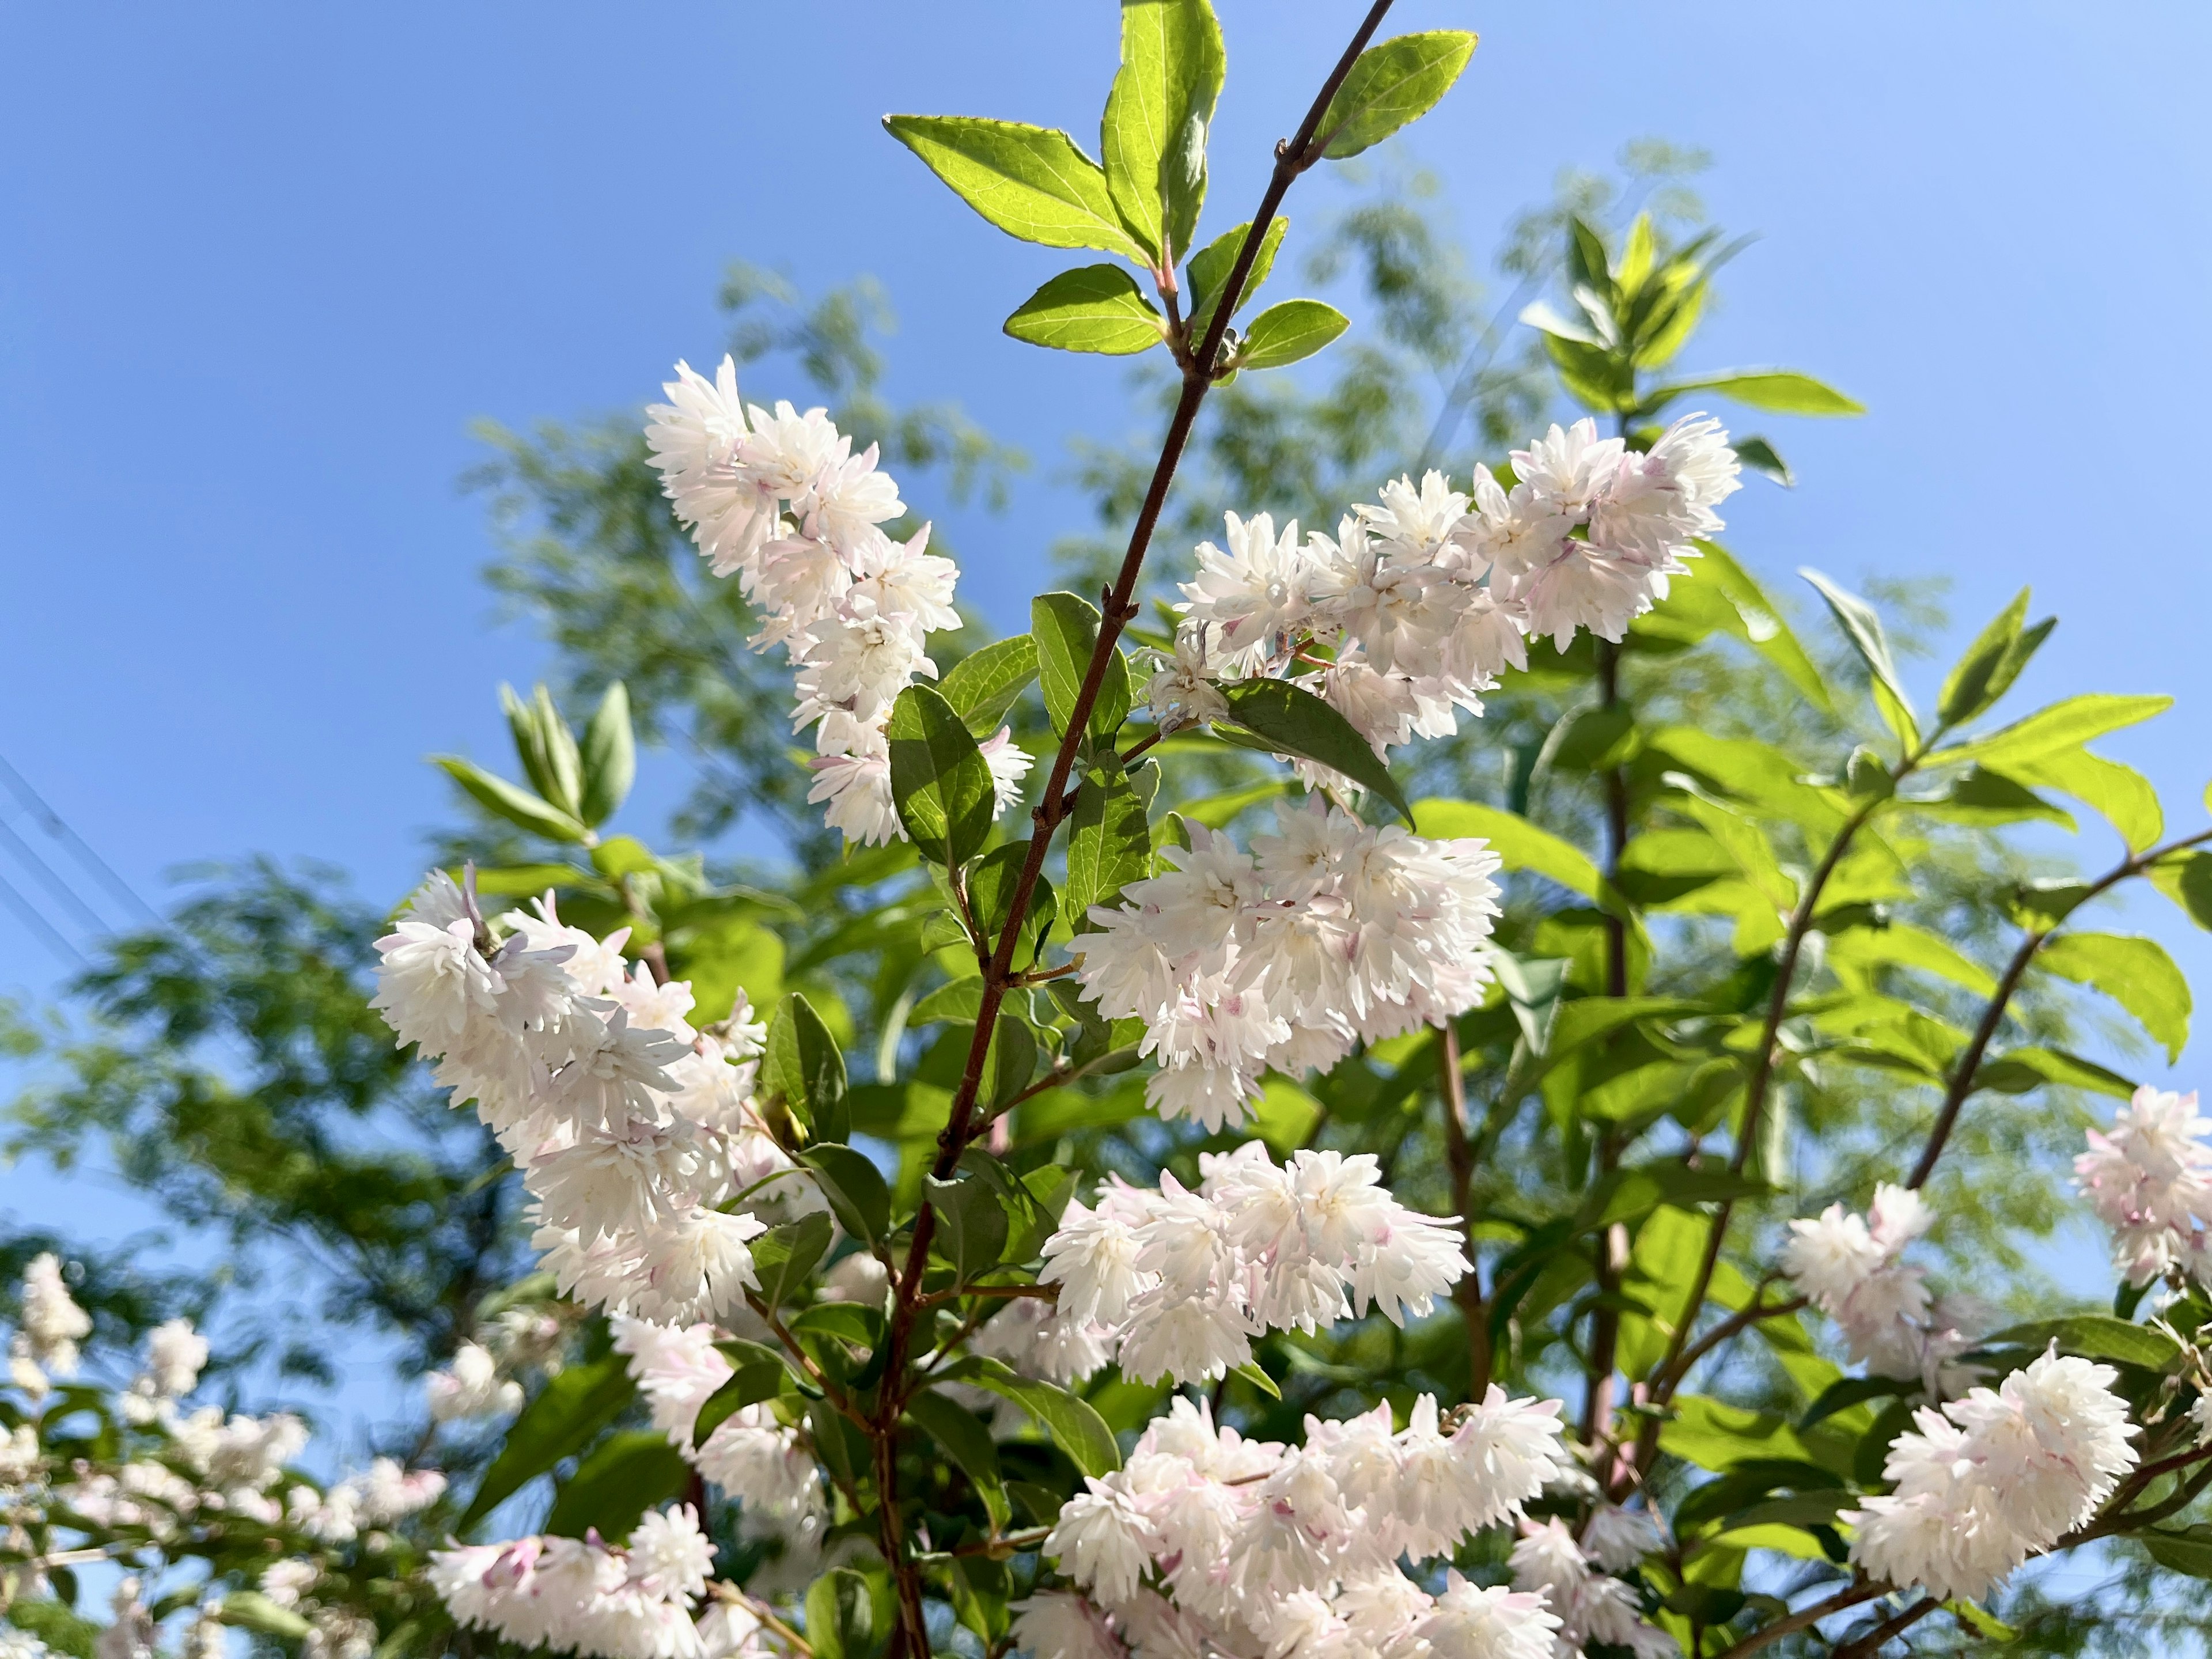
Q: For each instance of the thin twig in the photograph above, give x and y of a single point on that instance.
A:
(1970, 1062)
(1859, 1647)
(1805, 1618)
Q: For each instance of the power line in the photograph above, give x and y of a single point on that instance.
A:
(51, 822)
(49, 878)
(44, 929)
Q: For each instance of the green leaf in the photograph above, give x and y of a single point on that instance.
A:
(1517, 842)
(546, 746)
(1110, 843)
(784, 1256)
(1250, 1371)
(2186, 879)
(517, 806)
(2121, 793)
(1970, 686)
(1390, 86)
(2189, 1550)
(1210, 265)
(2134, 972)
(626, 1474)
(962, 999)
(939, 779)
(1980, 1620)
(567, 1412)
(2065, 724)
(1065, 628)
(1093, 308)
(841, 1620)
(610, 757)
(1761, 457)
(972, 1222)
(1291, 720)
(1847, 1392)
(1010, 1061)
(1288, 333)
(1717, 1437)
(1783, 390)
(1758, 624)
(760, 1374)
(2019, 1070)
(1074, 1425)
(803, 1067)
(983, 685)
(991, 884)
(855, 1188)
(1032, 182)
(252, 1610)
(1862, 628)
(2095, 1336)
(967, 1442)
(1904, 945)
(1153, 135)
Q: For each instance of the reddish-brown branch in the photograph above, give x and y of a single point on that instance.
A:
(1459, 1156)
(1969, 1063)
(1293, 157)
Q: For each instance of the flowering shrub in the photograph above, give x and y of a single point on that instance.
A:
(923, 1363)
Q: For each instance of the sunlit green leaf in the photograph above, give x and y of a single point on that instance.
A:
(1153, 135)
(939, 779)
(1032, 182)
(1288, 333)
(1391, 85)
(1094, 308)
(2134, 972)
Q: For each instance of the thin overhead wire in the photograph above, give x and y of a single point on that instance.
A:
(37, 924)
(52, 823)
(49, 878)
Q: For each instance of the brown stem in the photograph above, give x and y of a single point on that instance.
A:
(1612, 1248)
(1962, 1074)
(1459, 1158)
(1805, 1618)
(1859, 1647)
(1140, 745)
(1293, 157)
(1665, 1383)
(1762, 1065)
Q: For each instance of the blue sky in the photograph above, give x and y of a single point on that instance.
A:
(261, 265)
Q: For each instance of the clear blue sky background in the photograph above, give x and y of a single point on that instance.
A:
(260, 266)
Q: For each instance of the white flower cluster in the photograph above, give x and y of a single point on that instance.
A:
(1329, 933)
(1253, 1546)
(2150, 1181)
(1182, 1281)
(1424, 600)
(47, 1329)
(583, 1596)
(780, 501)
(631, 1128)
(1851, 1268)
(479, 1381)
(1996, 1477)
(1589, 1606)
(750, 1455)
(470, 1387)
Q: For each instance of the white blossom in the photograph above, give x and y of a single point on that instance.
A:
(1995, 1477)
(583, 1596)
(2149, 1179)
(1851, 1269)
(1329, 933)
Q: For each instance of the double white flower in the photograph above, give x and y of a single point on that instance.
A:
(779, 500)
